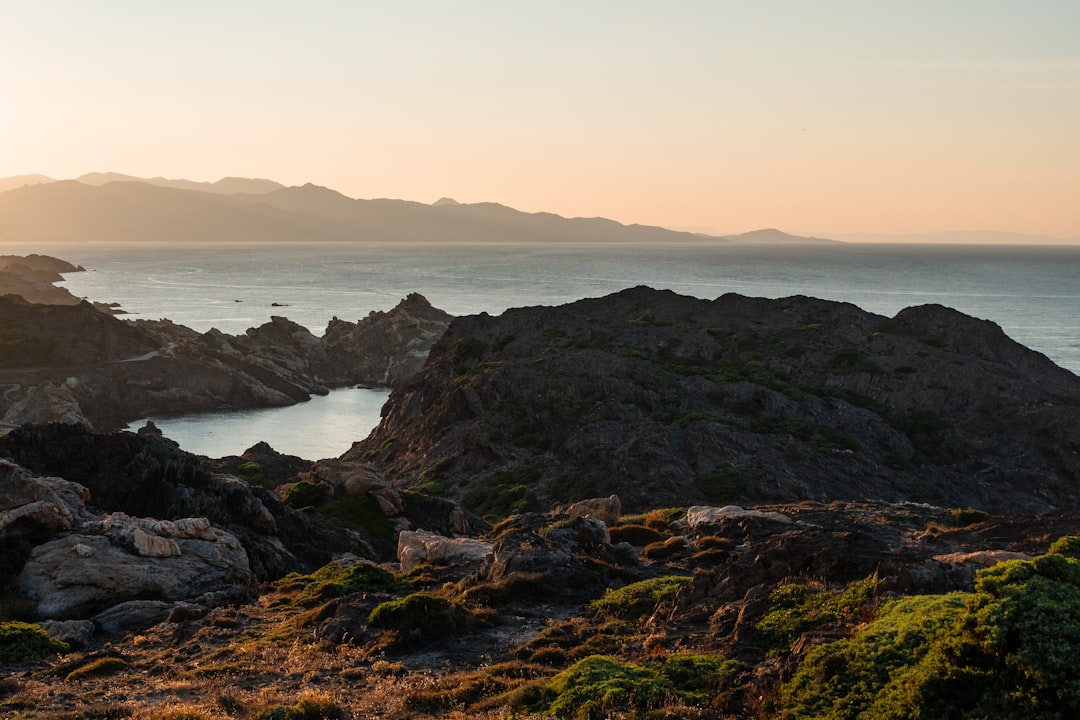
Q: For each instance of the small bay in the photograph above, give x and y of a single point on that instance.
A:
(324, 426)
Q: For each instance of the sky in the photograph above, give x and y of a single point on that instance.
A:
(821, 117)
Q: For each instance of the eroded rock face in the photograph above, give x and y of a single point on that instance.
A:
(388, 348)
(38, 506)
(45, 404)
(78, 575)
(146, 476)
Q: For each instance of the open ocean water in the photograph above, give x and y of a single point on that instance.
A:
(1033, 293)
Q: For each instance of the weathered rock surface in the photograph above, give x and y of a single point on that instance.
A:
(78, 575)
(420, 546)
(145, 476)
(670, 400)
(34, 506)
(387, 348)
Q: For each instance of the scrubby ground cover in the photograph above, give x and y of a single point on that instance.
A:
(737, 628)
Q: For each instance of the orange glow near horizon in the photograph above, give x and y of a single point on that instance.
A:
(831, 119)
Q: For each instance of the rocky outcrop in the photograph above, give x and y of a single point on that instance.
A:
(670, 400)
(32, 506)
(80, 574)
(145, 476)
(32, 276)
(356, 479)
(387, 348)
(73, 363)
(420, 546)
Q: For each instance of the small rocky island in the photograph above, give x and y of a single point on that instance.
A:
(642, 505)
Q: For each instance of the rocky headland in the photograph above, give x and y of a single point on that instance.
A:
(643, 505)
(72, 363)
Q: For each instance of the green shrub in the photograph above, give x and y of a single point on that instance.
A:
(720, 485)
(797, 608)
(639, 535)
(1007, 650)
(667, 548)
(97, 668)
(1068, 546)
(360, 512)
(333, 580)
(20, 641)
(637, 599)
(503, 493)
(870, 675)
(600, 686)
(969, 516)
(306, 494)
(417, 613)
(467, 348)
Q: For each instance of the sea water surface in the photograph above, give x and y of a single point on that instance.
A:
(1032, 292)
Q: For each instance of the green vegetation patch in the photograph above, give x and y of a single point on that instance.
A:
(331, 581)
(601, 686)
(796, 609)
(359, 512)
(637, 599)
(721, 484)
(306, 494)
(417, 612)
(98, 668)
(503, 493)
(1007, 651)
(20, 641)
(467, 348)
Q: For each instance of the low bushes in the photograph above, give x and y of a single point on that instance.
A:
(601, 686)
(20, 641)
(637, 599)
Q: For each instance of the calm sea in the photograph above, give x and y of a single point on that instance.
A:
(1032, 292)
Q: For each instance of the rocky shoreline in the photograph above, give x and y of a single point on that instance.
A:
(68, 361)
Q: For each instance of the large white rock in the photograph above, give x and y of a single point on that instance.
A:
(607, 510)
(699, 515)
(415, 547)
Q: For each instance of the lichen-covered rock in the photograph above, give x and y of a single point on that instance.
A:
(81, 574)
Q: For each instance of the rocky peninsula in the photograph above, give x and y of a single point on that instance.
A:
(70, 362)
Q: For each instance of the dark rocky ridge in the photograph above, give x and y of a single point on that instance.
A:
(664, 399)
(74, 363)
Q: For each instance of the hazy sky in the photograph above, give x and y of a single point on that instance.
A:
(823, 116)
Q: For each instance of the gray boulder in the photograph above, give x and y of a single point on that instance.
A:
(125, 559)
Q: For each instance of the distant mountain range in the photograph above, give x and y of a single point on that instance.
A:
(112, 207)
(109, 207)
